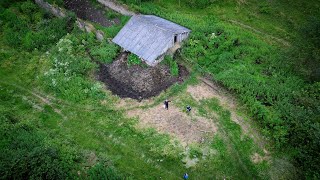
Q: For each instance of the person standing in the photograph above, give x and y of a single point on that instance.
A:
(166, 104)
(188, 108)
(185, 176)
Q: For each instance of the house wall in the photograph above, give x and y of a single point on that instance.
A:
(180, 38)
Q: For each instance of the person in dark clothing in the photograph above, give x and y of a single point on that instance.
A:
(166, 104)
(188, 108)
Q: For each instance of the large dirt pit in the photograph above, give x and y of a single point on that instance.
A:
(138, 82)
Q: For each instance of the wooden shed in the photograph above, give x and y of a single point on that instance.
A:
(150, 37)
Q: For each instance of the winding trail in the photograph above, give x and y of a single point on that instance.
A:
(54, 102)
(279, 40)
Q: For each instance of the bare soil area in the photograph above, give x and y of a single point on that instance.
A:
(86, 11)
(137, 82)
(188, 128)
(116, 6)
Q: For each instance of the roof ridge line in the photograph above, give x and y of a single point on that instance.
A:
(155, 24)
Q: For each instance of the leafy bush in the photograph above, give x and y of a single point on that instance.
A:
(305, 53)
(112, 14)
(25, 152)
(99, 171)
(29, 29)
(173, 65)
(199, 4)
(66, 77)
(14, 28)
(105, 52)
(133, 59)
(28, 7)
(265, 9)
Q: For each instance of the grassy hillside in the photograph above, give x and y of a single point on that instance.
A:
(266, 52)
(58, 121)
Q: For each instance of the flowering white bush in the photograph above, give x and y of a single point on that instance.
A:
(69, 68)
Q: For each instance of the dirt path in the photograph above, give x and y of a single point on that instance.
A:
(43, 99)
(282, 41)
(55, 103)
(117, 7)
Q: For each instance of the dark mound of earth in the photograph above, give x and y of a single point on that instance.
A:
(138, 82)
(85, 10)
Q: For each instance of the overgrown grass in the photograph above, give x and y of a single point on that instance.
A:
(105, 52)
(133, 59)
(173, 65)
(51, 108)
(238, 44)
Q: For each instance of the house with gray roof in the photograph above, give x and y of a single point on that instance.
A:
(150, 37)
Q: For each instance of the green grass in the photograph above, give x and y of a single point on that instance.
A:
(255, 49)
(52, 118)
(173, 65)
(86, 126)
(133, 59)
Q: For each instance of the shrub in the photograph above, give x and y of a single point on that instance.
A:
(99, 171)
(105, 52)
(28, 7)
(29, 29)
(69, 67)
(133, 60)
(173, 65)
(199, 4)
(26, 155)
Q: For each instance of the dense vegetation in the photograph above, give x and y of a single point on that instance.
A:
(274, 70)
(278, 84)
(173, 65)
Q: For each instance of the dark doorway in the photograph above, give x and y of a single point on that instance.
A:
(175, 38)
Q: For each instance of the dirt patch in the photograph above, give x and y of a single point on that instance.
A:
(200, 91)
(137, 82)
(187, 128)
(128, 103)
(257, 158)
(91, 159)
(86, 11)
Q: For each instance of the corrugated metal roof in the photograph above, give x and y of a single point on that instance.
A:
(148, 36)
